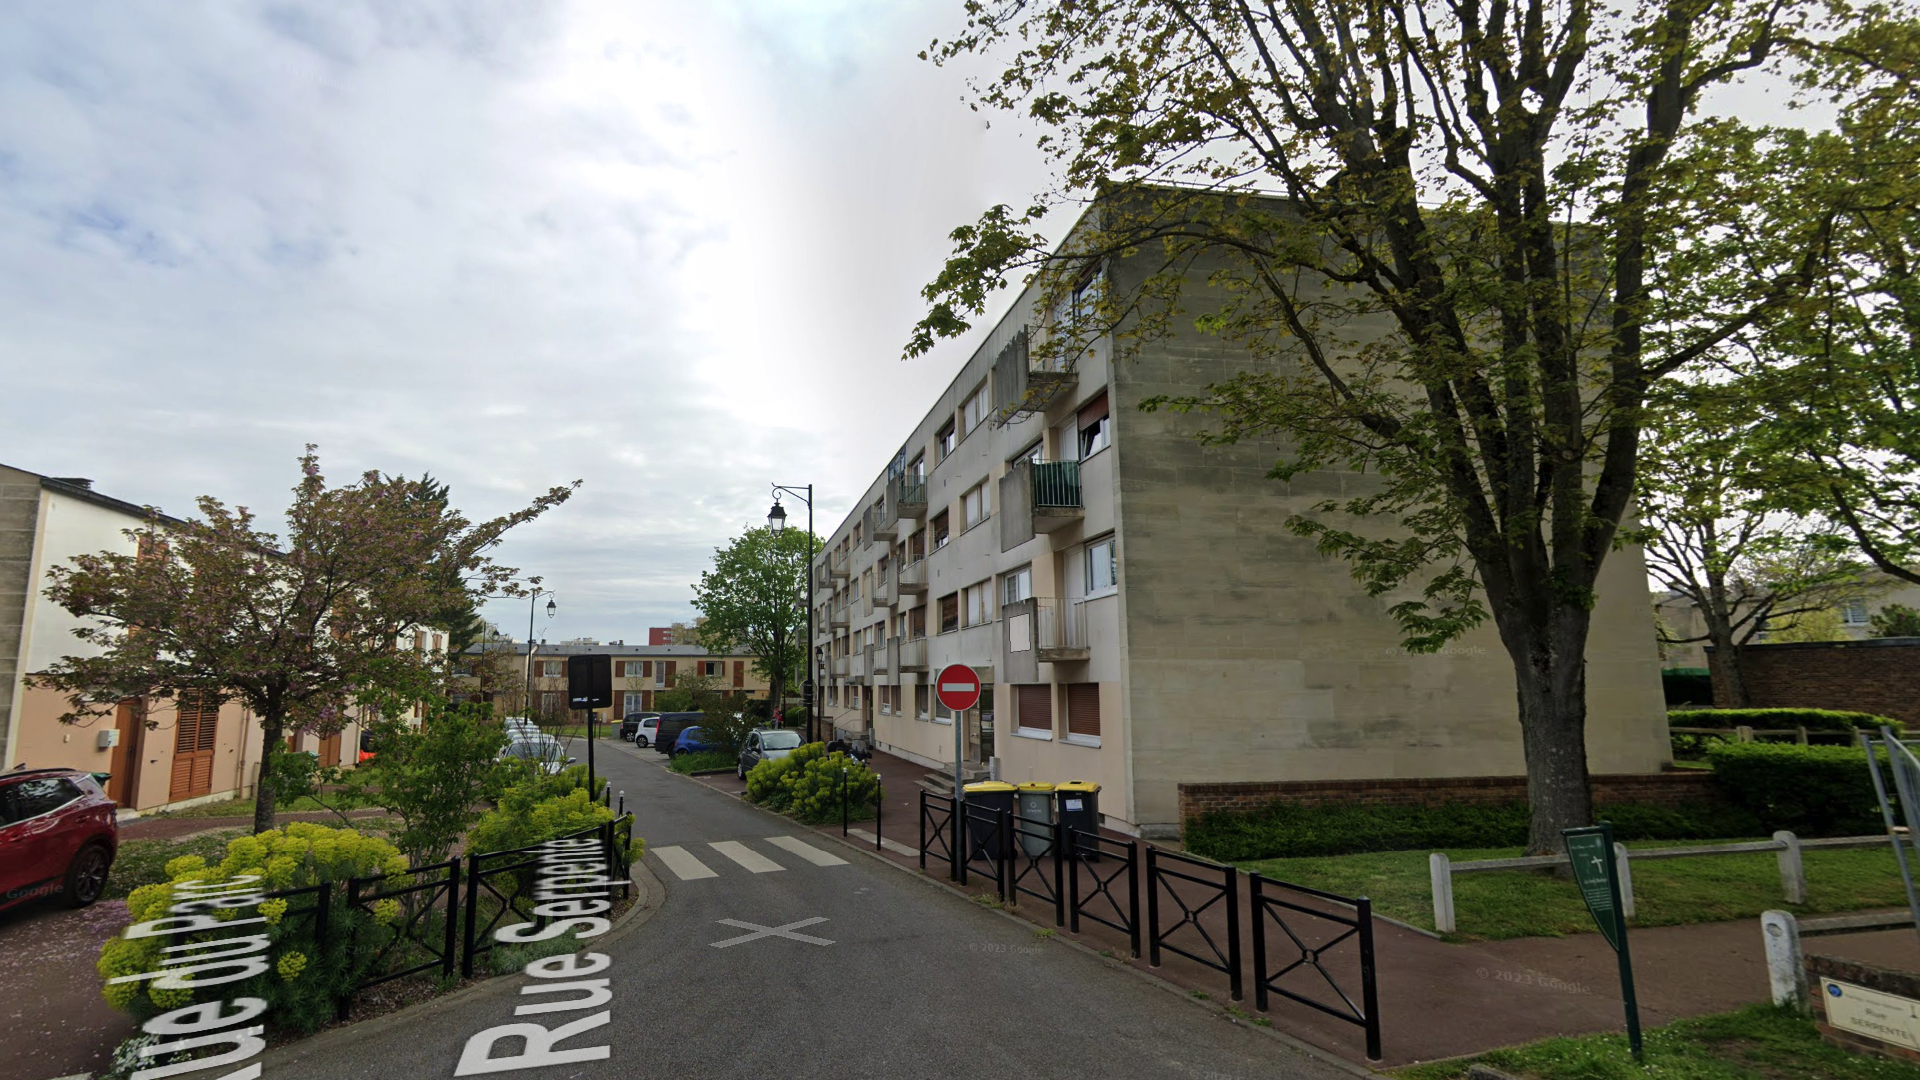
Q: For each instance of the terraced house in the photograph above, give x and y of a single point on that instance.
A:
(639, 672)
(1137, 612)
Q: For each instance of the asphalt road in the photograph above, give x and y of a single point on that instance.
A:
(915, 983)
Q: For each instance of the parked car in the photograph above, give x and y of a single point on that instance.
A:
(543, 750)
(58, 836)
(670, 726)
(631, 724)
(519, 725)
(690, 741)
(767, 744)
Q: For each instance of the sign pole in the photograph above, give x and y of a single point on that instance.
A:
(1590, 853)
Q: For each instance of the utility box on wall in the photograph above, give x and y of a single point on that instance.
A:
(108, 739)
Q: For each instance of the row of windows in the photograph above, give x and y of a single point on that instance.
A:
(660, 672)
(1034, 707)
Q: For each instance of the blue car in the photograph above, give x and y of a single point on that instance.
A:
(690, 742)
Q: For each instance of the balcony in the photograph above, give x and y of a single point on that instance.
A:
(882, 522)
(1034, 369)
(883, 595)
(1060, 630)
(1039, 497)
(857, 665)
(837, 618)
(884, 656)
(913, 578)
(908, 494)
(839, 562)
(913, 654)
(838, 667)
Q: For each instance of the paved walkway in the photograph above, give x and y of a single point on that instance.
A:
(1437, 1000)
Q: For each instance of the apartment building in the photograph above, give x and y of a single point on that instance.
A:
(1137, 611)
(639, 671)
(1854, 615)
(194, 753)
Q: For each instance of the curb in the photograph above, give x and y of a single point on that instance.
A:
(649, 892)
(1299, 1046)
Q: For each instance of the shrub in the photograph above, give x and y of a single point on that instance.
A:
(704, 761)
(528, 815)
(807, 785)
(1287, 830)
(1778, 719)
(1895, 620)
(304, 982)
(1812, 790)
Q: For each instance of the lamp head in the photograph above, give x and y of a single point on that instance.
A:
(551, 608)
(777, 517)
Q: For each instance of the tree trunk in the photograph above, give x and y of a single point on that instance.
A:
(1725, 670)
(263, 794)
(1551, 683)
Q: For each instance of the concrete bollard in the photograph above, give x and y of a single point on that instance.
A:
(1624, 871)
(1440, 872)
(1793, 871)
(1786, 965)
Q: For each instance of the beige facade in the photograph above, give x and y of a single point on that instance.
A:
(639, 672)
(212, 755)
(1141, 614)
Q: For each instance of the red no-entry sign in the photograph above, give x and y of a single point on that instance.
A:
(958, 688)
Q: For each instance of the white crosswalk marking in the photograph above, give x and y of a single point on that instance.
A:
(683, 864)
(746, 856)
(806, 851)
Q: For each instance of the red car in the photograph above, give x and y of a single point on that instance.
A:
(58, 836)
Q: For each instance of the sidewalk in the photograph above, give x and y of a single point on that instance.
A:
(1437, 1000)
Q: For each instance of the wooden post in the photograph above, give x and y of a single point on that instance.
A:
(1440, 870)
(1625, 872)
(1793, 871)
(1801, 732)
(1786, 965)
(1743, 733)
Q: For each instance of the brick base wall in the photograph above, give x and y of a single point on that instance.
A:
(1886, 980)
(1660, 789)
(1876, 675)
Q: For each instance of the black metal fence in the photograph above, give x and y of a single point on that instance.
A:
(939, 825)
(1099, 902)
(408, 928)
(1358, 925)
(987, 840)
(503, 881)
(1035, 866)
(1217, 885)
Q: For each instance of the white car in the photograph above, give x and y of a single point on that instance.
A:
(543, 750)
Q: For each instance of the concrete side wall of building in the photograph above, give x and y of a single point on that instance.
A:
(1254, 657)
(19, 522)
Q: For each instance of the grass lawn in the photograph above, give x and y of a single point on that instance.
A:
(702, 761)
(1498, 904)
(144, 862)
(1759, 1042)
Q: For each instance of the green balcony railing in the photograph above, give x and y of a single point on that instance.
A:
(1056, 483)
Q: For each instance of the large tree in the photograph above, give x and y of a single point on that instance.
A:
(1714, 540)
(297, 627)
(1459, 240)
(755, 600)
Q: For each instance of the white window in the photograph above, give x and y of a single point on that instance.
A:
(660, 673)
(712, 669)
(1102, 568)
(979, 603)
(1035, 453)
(920, 702)
(918, 470)
(1854, 613)
(1096, 430)
(943, 442)
(630, 701)
(1016, 585)
(974, 412)
(973, 506)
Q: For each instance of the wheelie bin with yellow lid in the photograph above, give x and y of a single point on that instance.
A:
(981, 829)
(1035, 810)
(1079, 802)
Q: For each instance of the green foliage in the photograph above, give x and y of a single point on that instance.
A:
(540, 808)
(1779, 719)
(304, 981)
(1818, 624)
(1757, 1041)
(432, 777)
(1288, 830)
(704, 761)
(1895, 620)
(1811, 790)
(297, 627)
(754, 600)
(808, 785)
(728, 720)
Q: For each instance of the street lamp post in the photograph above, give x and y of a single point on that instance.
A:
(777, 520)
(551, 608)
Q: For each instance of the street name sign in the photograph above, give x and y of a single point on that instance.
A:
(1590, 852)
(1887, 1017)
(958, 687)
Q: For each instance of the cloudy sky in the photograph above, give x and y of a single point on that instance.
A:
(669, 249)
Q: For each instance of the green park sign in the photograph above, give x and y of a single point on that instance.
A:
(1591, 854)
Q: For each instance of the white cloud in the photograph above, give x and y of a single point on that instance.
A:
(671, 249)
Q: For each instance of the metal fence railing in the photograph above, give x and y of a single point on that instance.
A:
(1056, 483)
(986, 838)
(1036, 867)
(1217, 887)
(1275, 907)
(1084, 851)
(939, 825)
(417, 933)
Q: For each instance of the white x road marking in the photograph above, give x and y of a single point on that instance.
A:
(759, 932)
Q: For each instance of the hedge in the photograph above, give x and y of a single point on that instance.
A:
(1780, 719)
(1811, 790)
(1288, 830)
